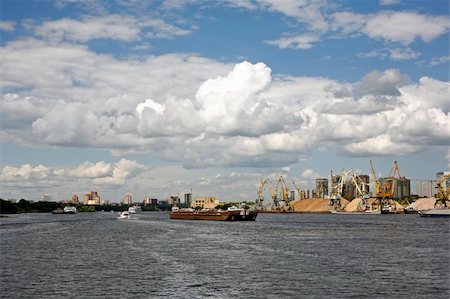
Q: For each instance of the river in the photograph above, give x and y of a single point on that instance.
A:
(95, 255)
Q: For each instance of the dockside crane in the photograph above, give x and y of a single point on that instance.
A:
(285, 194)
(384, 190)
(262, 185)
(361, 189)
(442, 194)
(338, 189)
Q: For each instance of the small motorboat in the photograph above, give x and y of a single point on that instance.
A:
(124, 215)
(132, 209)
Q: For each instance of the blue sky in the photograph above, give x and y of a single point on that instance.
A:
(161, 97)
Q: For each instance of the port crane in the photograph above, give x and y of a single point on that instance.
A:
(361, 189)
(443, 194)
(337, 190)
(285, 194)
(384, 189)
(262, 185)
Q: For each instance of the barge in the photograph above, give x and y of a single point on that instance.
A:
(435, 213)
(217, 215)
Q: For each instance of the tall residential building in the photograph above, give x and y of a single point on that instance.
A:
(174, 200)
(188, 199)
(91, 198)
(127, 199)
(74, 199)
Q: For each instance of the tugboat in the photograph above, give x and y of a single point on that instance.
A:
(231, 214)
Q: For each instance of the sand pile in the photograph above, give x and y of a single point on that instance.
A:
(355, 205)
(398, 206)
(423, 204)
(312, 205)
(344, 202)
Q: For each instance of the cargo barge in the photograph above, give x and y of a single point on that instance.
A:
(435, 213)
(217, 215)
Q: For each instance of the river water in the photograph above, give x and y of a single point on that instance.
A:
(95, 255)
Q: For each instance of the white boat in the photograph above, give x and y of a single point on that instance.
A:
(124, 215)
(435, 213)
(132, 209)
(70, 210)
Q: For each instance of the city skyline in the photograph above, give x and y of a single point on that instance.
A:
(164, 97)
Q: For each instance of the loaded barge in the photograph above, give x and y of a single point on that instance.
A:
(235, 214)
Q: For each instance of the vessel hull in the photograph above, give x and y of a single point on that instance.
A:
(435, 213)
(213, 215)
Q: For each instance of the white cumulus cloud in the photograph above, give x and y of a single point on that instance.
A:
(124, 169)
(92, 170)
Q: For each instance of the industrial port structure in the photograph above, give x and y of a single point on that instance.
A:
(346, 191)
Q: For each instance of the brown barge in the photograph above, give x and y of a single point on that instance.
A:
(217, 215)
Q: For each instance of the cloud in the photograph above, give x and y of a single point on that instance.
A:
(7, 26)
(397, 54)
(81, 177)
(405, 27)
(399, 27)
(447, 156)
(389, 2)
(223, 99)
(309, 174)
(203, 113)
(427, 93)
(116, 27)
(302, 41)
(381, 83)
(69, 124)
(19, 112)
(380, 145)
(124, 169)
(27, 175)
(439, 60)
(91, 170)
(150, 104)
(307, 12)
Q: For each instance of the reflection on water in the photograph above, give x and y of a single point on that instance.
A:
(89, 255)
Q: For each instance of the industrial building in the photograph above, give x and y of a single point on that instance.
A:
(321, 188)
(205, 202)
(401, 188)
(426, 188)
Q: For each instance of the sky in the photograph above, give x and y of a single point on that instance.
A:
(158, 98)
